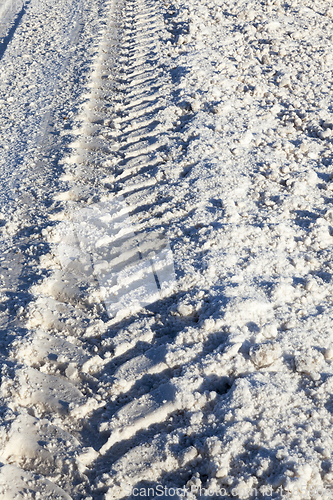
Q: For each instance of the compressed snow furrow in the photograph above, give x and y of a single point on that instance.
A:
(127, 284)
(11, 14)
(48, 77)
(147, 461)
(48, 390)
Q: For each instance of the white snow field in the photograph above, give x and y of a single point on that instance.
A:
(166, 219)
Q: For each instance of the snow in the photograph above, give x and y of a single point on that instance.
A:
(166, 240)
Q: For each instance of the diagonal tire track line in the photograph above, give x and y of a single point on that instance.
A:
(93, 151)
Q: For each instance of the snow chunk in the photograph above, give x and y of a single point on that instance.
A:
(187, 455)
(309, 362)
(46, 392)
(265, 354)
(272, 26)
(329, 353)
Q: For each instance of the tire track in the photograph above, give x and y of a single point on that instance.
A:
(140, 381)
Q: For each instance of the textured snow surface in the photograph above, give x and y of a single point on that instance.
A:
(166, 219)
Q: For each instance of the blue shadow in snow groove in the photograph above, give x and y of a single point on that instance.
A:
(5, 41)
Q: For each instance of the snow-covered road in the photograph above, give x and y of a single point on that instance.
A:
(166, 249)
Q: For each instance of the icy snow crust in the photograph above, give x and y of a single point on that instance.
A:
(166, 250)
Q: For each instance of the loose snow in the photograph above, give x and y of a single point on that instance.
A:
(166, 249)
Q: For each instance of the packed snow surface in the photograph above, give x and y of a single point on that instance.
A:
(166, 218)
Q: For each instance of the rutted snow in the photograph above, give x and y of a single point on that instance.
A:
(182, 332)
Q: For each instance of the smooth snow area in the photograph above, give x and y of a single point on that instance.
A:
(166, 217)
